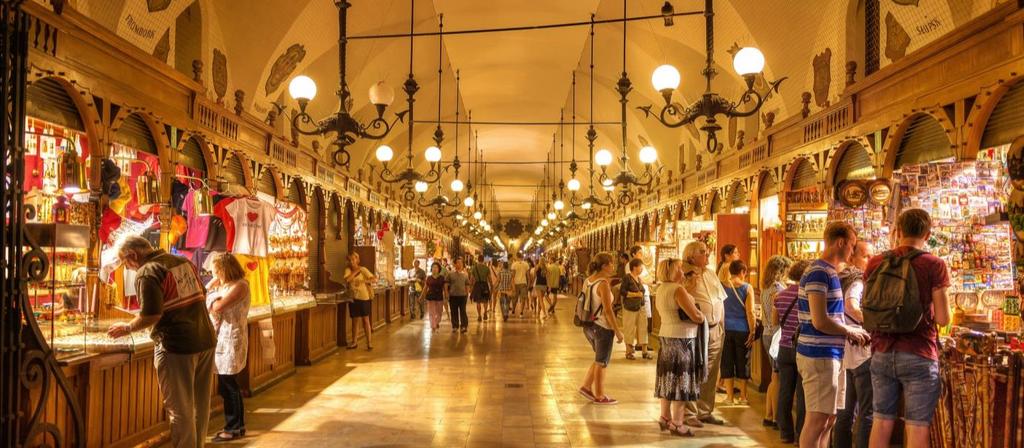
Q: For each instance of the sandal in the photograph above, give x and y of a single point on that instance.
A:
(225, 436)
(663, 423)
(674, 430)
(605, 400)
(352, 346)
(648, 355)
(630, 355)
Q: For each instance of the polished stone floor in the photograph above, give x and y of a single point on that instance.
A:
(502, 384)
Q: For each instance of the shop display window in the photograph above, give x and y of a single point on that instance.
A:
(966, 203)
(703, 231)
(288, 259)
(804, 224)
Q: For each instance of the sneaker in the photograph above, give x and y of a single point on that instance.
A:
(586, 393)
(605, 400)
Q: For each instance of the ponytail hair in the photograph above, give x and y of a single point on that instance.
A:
(599, 261)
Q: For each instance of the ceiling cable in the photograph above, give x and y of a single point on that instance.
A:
(524, 27)
(517, 123)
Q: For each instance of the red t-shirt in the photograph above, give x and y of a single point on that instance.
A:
(931, 274)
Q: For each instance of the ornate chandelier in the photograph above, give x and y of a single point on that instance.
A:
(345, 127)
(626, 179)
(748, 63)
(411, 180)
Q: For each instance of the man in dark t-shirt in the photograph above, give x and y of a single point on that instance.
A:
(174, 303)
(909, 362)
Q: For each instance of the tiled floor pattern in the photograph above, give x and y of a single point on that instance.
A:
(501, 385)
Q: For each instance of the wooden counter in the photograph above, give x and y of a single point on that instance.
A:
(317, 333)
(260, 373)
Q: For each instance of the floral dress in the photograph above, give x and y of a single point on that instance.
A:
(232, 329)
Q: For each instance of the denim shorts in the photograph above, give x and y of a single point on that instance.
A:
(915, 376)
(601, 339)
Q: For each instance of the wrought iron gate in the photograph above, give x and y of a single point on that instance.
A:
(28, 369)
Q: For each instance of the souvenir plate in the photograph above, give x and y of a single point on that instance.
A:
(853, 194)
(880, 192)
(1015, 165)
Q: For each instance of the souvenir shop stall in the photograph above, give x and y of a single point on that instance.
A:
(378, 248)
(972, 206)
(806, 212)
(859, 198)
(770, 237)
(693, 225)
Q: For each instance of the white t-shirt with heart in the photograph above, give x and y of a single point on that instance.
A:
(252, 218)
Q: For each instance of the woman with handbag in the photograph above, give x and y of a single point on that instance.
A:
(483, 280)
(681, 369)
(772, 282)
(359, 280)
(634, 318)
(784, 317)
(739, 332)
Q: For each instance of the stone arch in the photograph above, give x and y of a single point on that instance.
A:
(982, 112)
(895, 138)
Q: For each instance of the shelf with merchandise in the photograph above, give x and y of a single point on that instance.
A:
(288, 250)
(60, 301)
(962, 198)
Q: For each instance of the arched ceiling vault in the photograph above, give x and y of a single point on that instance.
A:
(520, 76)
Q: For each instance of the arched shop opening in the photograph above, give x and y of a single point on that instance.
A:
(806, 212)
(853, 177)
(965, 199)
(732, 223)
(266, 185)
(771, 240)
(56, 184)
(694, 226)
(335, 242)
(191, 199)
(315, 224)
(130, 181)
(233, 176)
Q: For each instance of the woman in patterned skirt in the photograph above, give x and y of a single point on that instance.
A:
(681, 364)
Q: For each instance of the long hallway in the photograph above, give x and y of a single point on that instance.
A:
(501, 384)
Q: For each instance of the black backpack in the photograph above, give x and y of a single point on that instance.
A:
(586, 315)
(892, 302)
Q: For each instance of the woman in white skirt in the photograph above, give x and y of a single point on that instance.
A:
(682, 366)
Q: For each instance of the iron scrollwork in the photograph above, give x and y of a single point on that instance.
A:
(27, 363)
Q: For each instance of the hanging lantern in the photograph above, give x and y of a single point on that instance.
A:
(203, 201)
(146, 189)
(71, 175)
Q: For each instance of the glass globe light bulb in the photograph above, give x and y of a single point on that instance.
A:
(457, 185)
(665, 77)
(551, 215)
(603, 157)
(302, 87)
(544, 223)
(536, 232)
(421, 186)
(477, 215)
(483, 222)
(460, 217)
(385, 153)
(573, 185)
(381, 94)
(748, 61)
(586, 205)
(432, 154)
(559, 205)
(648, 155)
(469, 201)
(607, 182)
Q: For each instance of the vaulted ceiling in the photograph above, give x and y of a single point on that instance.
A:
(520, 76)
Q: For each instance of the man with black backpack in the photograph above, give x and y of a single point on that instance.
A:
(904, 303)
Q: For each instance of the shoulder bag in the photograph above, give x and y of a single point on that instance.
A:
(773, 348)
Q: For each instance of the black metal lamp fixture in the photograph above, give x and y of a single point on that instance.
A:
(413, 181)
(748, 62)
(588, 203)
(626, 179)
(345, 127)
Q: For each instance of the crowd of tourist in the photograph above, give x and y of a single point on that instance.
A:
(833, 382)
